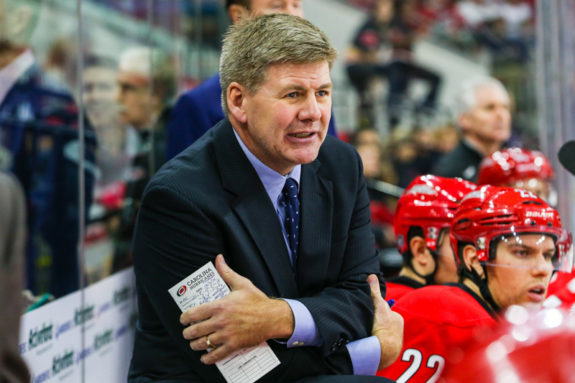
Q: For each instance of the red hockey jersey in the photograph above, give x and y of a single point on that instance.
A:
(397, 287)
(439, 322)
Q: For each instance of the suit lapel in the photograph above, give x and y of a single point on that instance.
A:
(254, 208)
(316, 228)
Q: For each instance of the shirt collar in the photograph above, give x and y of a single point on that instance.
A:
(273, 181)
(10, 74)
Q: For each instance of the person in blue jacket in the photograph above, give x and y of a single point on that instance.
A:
(39, 144)
(198, 109)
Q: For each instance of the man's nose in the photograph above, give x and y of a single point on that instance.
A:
(542, 265)
(311, 109)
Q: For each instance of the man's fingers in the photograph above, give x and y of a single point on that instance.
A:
(233, 279)
(217, 354)
(197, 314)
(198, 330)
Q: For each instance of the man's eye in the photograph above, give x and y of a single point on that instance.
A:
(292, 95)
(323, 93)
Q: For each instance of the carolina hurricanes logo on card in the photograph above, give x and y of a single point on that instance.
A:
(182, 290)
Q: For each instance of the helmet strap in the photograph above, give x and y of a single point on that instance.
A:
(482, 284)
(429, 278)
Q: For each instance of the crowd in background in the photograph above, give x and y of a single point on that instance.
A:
(128, 100)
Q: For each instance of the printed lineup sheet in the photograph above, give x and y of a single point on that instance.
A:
(206, 285)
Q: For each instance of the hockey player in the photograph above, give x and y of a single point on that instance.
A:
(519, 168)
(507, 243)
(421, 226)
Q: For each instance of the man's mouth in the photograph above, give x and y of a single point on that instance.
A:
(302, 135)
(537, 293)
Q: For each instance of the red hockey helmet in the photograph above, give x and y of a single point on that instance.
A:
(509, 166)
(492, 212)
(428, 202)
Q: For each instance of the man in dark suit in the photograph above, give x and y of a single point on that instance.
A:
(198, 109)
(302, 289)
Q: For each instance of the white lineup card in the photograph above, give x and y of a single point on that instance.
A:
(206, 285)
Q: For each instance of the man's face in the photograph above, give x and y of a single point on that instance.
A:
(446, 271)
(286, 119)
(490, 120)
(135, 99)
(290, 7)
(99, 95)
(522, 270)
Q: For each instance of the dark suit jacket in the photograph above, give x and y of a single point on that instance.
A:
(196, 111)
(210, 200)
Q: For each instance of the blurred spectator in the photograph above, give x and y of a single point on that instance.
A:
(414, 154)
(445, 138)
(116, 142)
(484, 117)
(12, 255)
(443, 22)
(39, 144)
(147, 84)
(381, 214)
(383, 48)
(504, 28)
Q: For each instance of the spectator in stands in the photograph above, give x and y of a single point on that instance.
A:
(505, 29)
(277, 90)
(116, 142)
(484, 117)
(39, 144)
(199, 109)
(146, 86)
(12, 256)
(383, 47)
(369, 147)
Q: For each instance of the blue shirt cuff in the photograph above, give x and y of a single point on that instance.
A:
(364, 354)
(305, 331)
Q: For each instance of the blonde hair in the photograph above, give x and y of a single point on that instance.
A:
(254, 44)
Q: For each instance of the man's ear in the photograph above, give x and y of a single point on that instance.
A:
(236, 101)
(463, 121)
(471, 260)
(237, 12)
(422, 258)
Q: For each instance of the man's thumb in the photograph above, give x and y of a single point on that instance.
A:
(229, 276)
(374, 286)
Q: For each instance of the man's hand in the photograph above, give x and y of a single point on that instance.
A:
(244, 318)
(387, 326)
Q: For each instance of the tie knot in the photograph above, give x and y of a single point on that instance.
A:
(290, 189)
